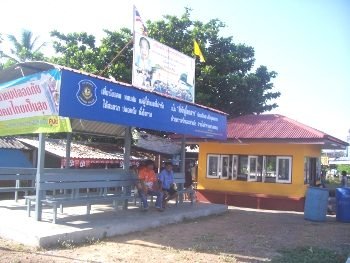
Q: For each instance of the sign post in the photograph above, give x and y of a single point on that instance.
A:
(39, 172)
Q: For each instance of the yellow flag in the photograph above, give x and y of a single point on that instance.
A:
(197, 51)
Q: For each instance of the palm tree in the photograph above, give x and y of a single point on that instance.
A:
(26, 49)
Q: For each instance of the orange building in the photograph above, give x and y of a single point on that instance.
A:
(267, 162)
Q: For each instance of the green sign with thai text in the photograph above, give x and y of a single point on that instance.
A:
(30, 105)
(37, 124)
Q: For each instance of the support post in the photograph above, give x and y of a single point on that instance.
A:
(183, 154)
(68, 149)
(183, 168)
(127, 154)
(127, 148)
(18, 184)
(159, 164)
(39, 172)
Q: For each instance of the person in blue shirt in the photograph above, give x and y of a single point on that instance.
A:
(166, 178)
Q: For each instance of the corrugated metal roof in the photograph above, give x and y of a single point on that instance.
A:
(11, 143)
(278, 128)
(155, 143)
(339, 160)
(273, 128)
(78, 150)
(97, 128)
(270, 126)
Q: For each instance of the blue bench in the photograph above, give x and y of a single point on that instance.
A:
(17, 176)
(87, 187)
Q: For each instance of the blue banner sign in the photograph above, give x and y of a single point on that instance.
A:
(89, 98)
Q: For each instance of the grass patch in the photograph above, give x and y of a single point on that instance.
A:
(208, 237)
(205, 242)
(309, 255)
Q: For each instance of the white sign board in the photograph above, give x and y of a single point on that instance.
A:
(157, 67)
(35, 95)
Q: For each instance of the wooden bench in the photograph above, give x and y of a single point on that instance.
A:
(18, 175)
(78, 181)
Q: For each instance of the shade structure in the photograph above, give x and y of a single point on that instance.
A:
(43, 97)
(39, 97)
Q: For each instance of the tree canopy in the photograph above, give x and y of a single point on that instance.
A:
(79, 51)
(343, 167)
(227, 81)
(24, 49)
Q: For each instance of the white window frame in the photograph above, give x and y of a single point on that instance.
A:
(217, 166)
(263, 170)
(278, 158)
(221, 168)
(256, 168)
(234, 167)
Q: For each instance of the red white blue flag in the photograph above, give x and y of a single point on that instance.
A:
(139, 26)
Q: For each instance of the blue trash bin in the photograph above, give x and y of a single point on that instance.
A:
(316, 204)
(342, 196)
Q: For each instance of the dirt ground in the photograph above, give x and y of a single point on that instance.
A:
(240, 235)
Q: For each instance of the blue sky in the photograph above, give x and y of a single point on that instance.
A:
(307, 42)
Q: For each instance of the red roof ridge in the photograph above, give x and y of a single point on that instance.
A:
(306, 127)
(270, 126)
(277, 128)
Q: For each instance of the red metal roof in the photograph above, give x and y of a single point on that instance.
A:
(270, 126)
(273, 128)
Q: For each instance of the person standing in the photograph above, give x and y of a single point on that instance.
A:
(149, 185)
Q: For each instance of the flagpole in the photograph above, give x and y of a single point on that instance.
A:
(133, 39)
(130, 41)
(118, 55)
(133, 21)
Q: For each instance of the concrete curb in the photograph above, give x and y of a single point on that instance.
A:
(17, 226)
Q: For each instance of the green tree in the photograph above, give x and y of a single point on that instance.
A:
(343, 167)
(79, 51)
(25, 49)
(226, 81)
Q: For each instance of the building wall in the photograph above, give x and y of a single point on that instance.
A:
(296, 189)
(52, 161)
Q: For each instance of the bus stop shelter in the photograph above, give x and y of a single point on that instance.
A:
(39, 97)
